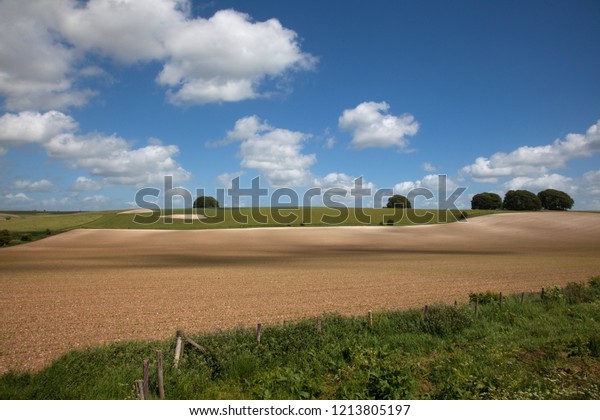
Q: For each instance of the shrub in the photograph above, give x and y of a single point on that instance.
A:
(521, 200)
(576, 293)
(390, 222)
(555, 200)
(594, 346)
(5, 237)
(26, 238)
(486, 201)
(553, 293)
(458, 215)
(594, 282)
(445, 320)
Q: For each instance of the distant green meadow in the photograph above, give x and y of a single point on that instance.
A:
(25, 226)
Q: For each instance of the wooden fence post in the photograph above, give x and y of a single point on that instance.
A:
(146, 389)
(370, 319)
(258, 332)
(139, 389)
(522, 297)
(178, 349)
(500, 300)
(425, 310)
(543, 293)
(476, 307)
(319, 326)
(159, 367)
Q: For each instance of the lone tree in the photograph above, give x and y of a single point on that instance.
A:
(521, 200)
(555, 200)
(203, 202)
(398, 201)
(486, 201)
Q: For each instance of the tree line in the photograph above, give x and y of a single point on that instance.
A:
(548, 199)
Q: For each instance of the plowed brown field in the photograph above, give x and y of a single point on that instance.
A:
(91, 287)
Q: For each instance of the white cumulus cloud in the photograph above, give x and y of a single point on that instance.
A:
(44, 45)
(34, 127)
(275, 152)
(536, 184)
(535, 161)
(111, 158)
(372, 126)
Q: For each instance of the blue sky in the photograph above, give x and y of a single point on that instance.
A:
(102, 98)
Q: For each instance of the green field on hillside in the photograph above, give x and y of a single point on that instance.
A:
(27, 226)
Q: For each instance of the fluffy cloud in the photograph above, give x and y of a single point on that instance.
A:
(275, 152)
(555, 181)
(36, 69)
(536, 161)
(435, 184)
(18, 198)
(225, 57)
(429, 167)
(110, 157)
(34, 127)
(372, 126)
(43, 45)
(43, 185)
(83, 183)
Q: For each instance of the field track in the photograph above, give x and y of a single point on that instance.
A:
(90, 287)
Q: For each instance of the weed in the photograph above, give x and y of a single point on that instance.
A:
(484, 297)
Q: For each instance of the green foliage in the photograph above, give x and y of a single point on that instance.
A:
(484, 297)
(594, 282)
(444, 320)
(577, 293)
(486, 201)
(554, 293)
(555, 200)
(398, 201)
(206, 202)
(5, 237)
(521, 200)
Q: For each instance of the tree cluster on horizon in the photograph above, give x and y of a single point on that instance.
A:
(549, 199)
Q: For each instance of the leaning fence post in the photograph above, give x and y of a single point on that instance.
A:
(178, 349)
(159, 367)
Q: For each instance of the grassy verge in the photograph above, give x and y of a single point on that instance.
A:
(525, 348)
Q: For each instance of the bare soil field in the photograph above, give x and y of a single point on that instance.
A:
(91, 287)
